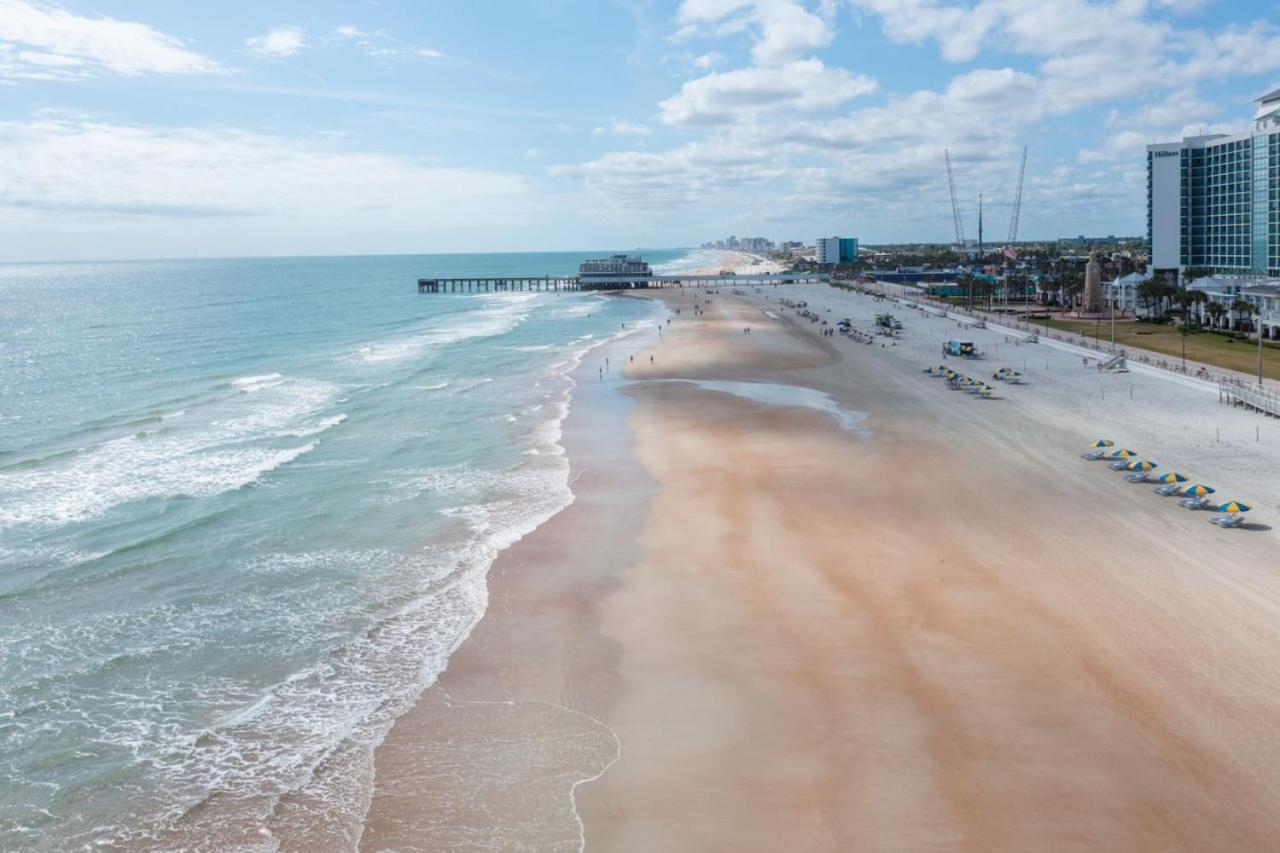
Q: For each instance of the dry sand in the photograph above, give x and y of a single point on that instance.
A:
(767, 632)
(738, 263)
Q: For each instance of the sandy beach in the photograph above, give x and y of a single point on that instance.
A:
(727, 260)
(926, 625)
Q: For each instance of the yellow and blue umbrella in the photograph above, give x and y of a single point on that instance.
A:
(1233, 507)
(1102, 442)
(1142, 466)
(1198, 490)
(1171, 477)
(1122, 454)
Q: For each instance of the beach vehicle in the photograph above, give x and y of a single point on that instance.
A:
(1170, 482)
(1140, 469)
(1118, 460)
(1234, 517)
(964, 349)
(887, 321)
(1097, 449)
(1196, 496)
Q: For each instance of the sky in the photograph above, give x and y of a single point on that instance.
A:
(148, 128)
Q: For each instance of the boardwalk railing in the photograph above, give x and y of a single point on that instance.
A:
(548, 282)
(1238, 393)
(1192, 370)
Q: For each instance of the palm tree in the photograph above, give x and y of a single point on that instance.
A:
(1215, 310)
(1244, 308)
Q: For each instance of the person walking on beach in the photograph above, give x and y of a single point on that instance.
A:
(651, 359)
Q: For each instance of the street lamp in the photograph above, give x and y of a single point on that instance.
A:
(1257, 324)
(1113, 316)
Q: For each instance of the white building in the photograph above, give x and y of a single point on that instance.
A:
(1213, 202)
(1122, 294)
(835, 250)
(1262, 296)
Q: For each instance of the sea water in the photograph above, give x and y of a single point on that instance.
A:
(246, 510)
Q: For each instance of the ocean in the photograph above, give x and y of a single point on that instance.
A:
(246, 511)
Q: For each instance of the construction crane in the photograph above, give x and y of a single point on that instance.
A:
(955, 206)
(1017, 200)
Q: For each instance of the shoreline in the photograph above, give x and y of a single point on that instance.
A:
(490, 685)
(845, 666)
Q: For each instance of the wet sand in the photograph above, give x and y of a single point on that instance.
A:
(766, 632)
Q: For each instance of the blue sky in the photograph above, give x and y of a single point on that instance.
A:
(150, 129)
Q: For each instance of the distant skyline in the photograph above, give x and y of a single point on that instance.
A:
(136, 128)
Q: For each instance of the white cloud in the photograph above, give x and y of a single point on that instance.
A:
(47, 43)
(1254, 49)
(784, 30)
(735, 96)
(277, 43)
(379, 44)
(657, 181)
(534, 153)
(85, 172)
(708, 60)
(622, 127)
(959, 31)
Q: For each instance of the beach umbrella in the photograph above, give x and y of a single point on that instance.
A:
(1198, 490)
(1102, 442)
(1142, 466)
(1233, 507)
(1171, 477)
(1122, 454)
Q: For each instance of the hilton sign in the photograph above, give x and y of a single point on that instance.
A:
(1164, 153)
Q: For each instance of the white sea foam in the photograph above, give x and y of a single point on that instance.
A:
(200, 461)
(274, 752)
(499, 319)
(693, 260)
(313, 429)
(256, 383)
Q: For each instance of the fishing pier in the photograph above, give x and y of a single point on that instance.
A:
(579, 283)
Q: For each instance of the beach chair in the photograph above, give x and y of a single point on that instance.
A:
(1196, 503)
(1167, 490)
(1094, 455)
(1141, 471)
(1227, 521)
(1119, 465)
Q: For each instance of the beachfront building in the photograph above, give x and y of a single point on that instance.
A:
(836, 250)
(1122, 293)
(1244, 304)
(615, 271)
(1213, 202)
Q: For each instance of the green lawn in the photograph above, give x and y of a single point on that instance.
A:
(1205, 347)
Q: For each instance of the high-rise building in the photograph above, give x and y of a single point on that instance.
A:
(836, 250)
(1213, 202)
